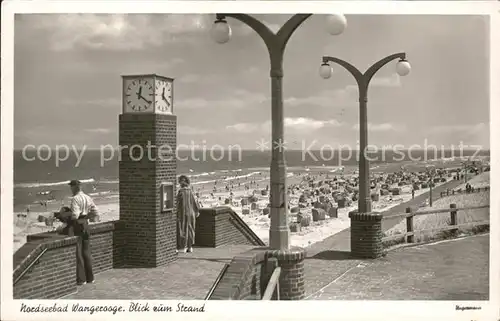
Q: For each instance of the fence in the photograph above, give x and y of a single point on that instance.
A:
(409, 235)
(463, 191)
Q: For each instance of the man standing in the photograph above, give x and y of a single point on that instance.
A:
(82, 206)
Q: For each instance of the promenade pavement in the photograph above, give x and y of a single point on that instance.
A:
(188, 278)
(449, 270)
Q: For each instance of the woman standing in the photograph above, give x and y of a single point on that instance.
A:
(187, 212)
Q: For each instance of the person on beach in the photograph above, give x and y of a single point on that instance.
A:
(82, 206)
(187, 212)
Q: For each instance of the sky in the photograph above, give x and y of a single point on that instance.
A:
(68, 68)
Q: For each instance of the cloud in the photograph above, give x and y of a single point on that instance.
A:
(302, 123)
(99, 130)
(119, 32)
(478, 134)
(460, 128)
(249, 127)
(105, 102)
(213, 78)
(296, 123)
(200, 78)
(384, 127)
(345, 97)
(190, 78)
(326, 98)
(393, 80)
(240, 99)
(188, 130)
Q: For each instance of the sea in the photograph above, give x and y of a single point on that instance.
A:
(40, 178)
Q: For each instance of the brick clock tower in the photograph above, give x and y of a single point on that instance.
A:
(148, 168)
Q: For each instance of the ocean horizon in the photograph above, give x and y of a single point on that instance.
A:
(33, 178)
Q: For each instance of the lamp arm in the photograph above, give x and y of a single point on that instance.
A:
(289, 28)
(358, 75)
(379, 64)
(261, 29)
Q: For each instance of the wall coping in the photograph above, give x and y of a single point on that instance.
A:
(103, 227)
(216, 210)
(96, 228)
(41, 241)
(370, 216)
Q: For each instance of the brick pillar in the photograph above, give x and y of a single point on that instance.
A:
(291, 282)
(148, 236)
(366, 235)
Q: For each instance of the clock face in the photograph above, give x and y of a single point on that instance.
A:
(163, 96)
(139, 95)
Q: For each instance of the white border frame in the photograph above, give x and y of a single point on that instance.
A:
(383, 310)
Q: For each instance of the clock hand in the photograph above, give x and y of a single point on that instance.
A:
(149, 102)
(139, 96)
(164, 98)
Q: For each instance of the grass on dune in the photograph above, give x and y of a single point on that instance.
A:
(433, 221)
(481, 180)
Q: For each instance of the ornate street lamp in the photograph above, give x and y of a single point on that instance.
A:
(279, 232)
(363, 79)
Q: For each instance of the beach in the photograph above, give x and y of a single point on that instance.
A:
(246, 192)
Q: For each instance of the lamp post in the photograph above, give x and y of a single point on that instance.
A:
(432, 174)
(363, 79)
(467, 167)
(279, 232)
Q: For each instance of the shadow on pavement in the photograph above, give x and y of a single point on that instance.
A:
(333, 255)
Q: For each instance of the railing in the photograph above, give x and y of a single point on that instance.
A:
(28, 268)
(236, 218)
(454, 226)
(217, 280)
(273, 285)
(463, 191)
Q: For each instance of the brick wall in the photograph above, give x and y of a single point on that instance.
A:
(61, 254)
(249, 273)
(366, 235)
(246, 277)
(205, 228)
(291, 281)
(148, 236)
(102, 243)
(45, 267)
(222, 226)
(166, 223)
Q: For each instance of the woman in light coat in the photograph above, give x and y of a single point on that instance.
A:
(187, 212)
